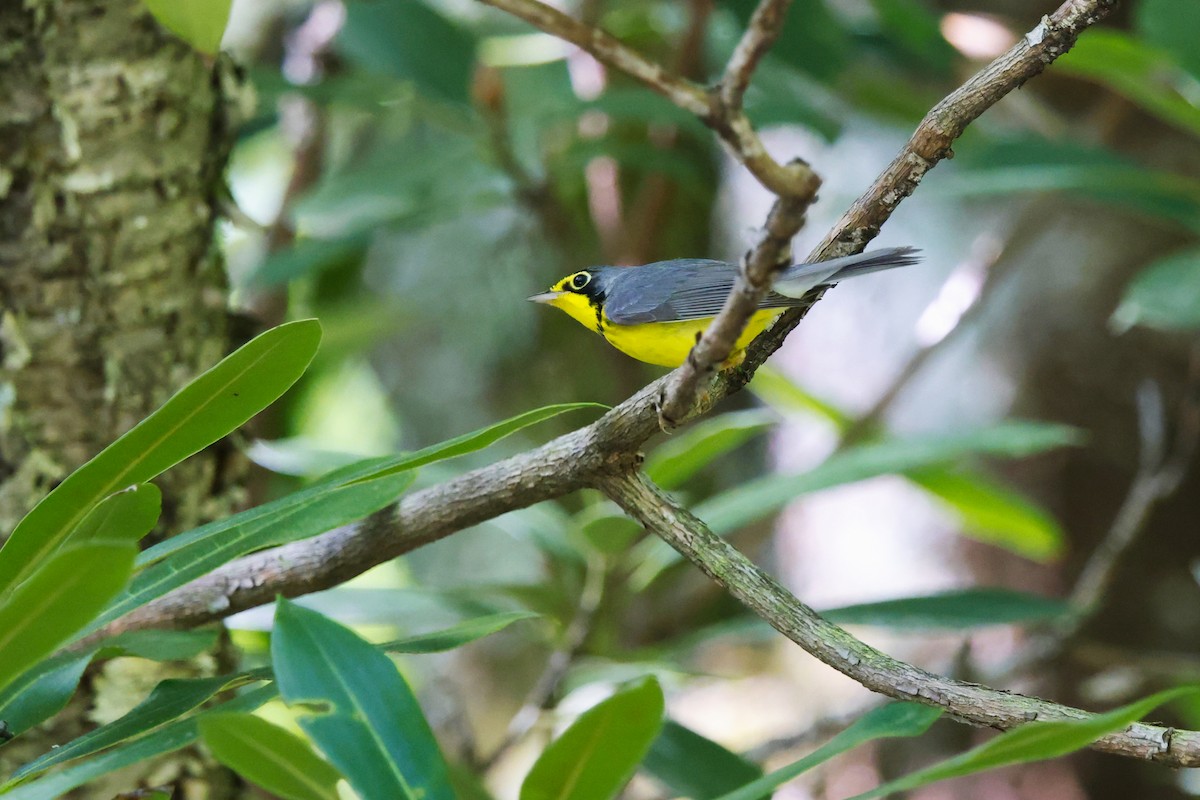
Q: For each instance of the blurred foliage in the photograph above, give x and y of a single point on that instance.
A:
(421, 166)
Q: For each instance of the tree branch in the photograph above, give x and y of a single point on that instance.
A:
(765, 26)
(877, 671)
(564, 464)
(604, 454)
(730, 124)
(930, 143)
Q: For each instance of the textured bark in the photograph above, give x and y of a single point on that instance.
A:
(113, 138)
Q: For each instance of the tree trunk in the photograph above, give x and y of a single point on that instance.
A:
(113, 141)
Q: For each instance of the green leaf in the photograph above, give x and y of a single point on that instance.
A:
(810, 39)
(161, 645)
(209, 407)
(299, 516)
(1038, 165)
(200, 23)
(59, 599)
(307, 257)
(266, 755)
(757, 499)
(691, 765)
(169, 700)
(457, 635)
(166, 739)
(954, 610)
(467, 443)
(915, 30)
(598, 753)
(410, 41)
(1171, 26)
(1164, 295)
(365, 718)
(1144, 75)
(605, 527)
(125, 516)
(782, 393)
(886, 722)
(682, 456)
(1034, 741)
(43, 691)
(994, 514)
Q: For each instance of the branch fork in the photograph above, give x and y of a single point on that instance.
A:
(603, 454)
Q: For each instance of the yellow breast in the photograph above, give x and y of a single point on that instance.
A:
(668, 343)
(663, 343)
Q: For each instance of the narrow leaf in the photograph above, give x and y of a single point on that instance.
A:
(1035, 741)
(691, 765)
(598, 754)
(1165, 295)
(1143, 74)
(43, 691)
(169, 700)
(58, 600)
(467, 443)
(126, 516)
(275, 759)
(166, 739)
(886, 722)
(757, 499)
(993, 514)
(368, 724)
(317, 512)
(957, 610)
(681, 457)
(200, 23)
(211, 406)
(457, 635)
(782, 393)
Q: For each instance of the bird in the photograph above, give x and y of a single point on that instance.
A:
(656, 312)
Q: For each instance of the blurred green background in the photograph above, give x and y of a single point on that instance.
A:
(416, 169)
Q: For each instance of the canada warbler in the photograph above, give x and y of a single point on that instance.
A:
(655, 312)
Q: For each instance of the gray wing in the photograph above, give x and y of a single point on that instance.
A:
(672, 291)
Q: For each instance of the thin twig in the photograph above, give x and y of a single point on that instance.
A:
(774, 249)
(1160, 472)
(766, 23)
(732, 127)
(605, 47)
(930, 143)
(541, 696)
(877, 671)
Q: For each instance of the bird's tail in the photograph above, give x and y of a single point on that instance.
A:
(873, 261)
(797, 279)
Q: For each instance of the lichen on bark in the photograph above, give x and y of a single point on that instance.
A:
(113, 142)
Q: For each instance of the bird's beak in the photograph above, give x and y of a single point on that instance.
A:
(546, 298)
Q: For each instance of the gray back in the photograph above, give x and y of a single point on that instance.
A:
(671, 291)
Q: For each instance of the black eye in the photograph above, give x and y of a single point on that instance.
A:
(580, 280)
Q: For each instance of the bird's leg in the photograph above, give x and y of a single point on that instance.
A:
(665, 423)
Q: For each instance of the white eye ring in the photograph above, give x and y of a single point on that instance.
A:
(580, 280)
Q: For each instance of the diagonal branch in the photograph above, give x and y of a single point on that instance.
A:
(730, 124)
(569, 462)
(879, 672)
(604, 454)
(929, 144)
